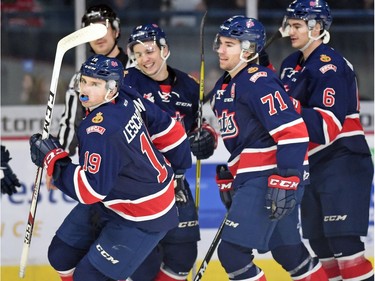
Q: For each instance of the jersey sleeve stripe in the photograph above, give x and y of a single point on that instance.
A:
(351, 127)
(84, 191)
(331, 125)
(292, 132)
(170, 138)
(145, 208)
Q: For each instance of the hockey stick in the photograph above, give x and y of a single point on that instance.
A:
(200, 113)
(81, 36)
(198, 167)
(281, 33)
(210, 251)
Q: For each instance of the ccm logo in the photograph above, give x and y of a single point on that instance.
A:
(106, 255)
(188, 224)
(283, 183)
(335, 218)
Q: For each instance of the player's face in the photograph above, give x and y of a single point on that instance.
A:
(105, 44)
(148, 57)
(92, 91)
(229, 51)
(298, 32)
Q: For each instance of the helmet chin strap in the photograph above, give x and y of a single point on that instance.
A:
(243, 61)
(324, 34)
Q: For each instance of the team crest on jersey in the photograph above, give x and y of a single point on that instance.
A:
(219, 94)
(166, 96)
(227, 125)
(98, 118)
(257, 75)
(150, 97)
(252, 69)
(95, 129)
(325, 58)
(328, 67)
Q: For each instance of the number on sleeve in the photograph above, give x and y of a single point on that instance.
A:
(147, 149)
(270, 100)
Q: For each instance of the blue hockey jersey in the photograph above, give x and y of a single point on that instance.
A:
(259, 125)
(121, 167)
(326, 86)
(180, 99)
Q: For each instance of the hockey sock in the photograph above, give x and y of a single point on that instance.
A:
(66, 275)
(240, 268)
(355, 267)
(315, 272)
(332, 269)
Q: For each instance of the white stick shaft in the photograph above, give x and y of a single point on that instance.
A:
(81, 36)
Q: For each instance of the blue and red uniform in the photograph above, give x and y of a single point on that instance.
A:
(178, 96)
(264, 134)
(114, 146)
(335, 207)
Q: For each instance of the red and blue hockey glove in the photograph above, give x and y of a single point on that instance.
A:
(181, 194)
(224, 180)
(49, 154)
(9, 180)
(281, 194)
(204, 146)
(296, 104)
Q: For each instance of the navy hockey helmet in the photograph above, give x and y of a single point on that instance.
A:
(147, 32)
(307, 10)
(101, 12)
(249, 31)
(105, 68)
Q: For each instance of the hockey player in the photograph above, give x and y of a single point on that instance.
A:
(176, 93)
(108, 46)
(267, 141)
(133, 210)
(335, 207)
(9, 180)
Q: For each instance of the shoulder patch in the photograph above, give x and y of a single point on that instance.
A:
(252, 69)
(98, 118)
(325, 58)
(255, 77)
(328, 67)
(95, 129)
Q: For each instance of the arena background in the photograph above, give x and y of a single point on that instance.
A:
(29, 38)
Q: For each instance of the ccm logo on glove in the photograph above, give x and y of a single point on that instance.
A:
(52, 157)
(286, 183)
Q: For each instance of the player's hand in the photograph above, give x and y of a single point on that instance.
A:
(224, 180)
(180, 191)
(49, 154)
(281, 195)
(9, 180)
(204, 146)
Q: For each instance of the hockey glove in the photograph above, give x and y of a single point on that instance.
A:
(224, 180)
(49, 154)
(281, 195)
(9, 180)
(296, 104)
(204, 146)
(180, 191)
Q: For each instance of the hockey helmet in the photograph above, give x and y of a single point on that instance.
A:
(147, 32)
(249, 31)
(311, 11)
(105, 68)
(101, 12)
